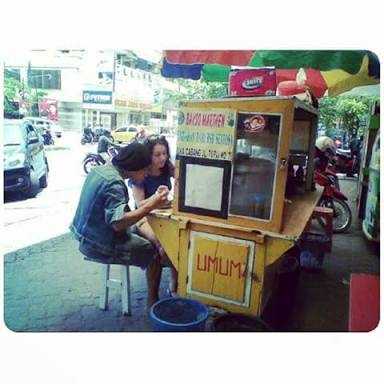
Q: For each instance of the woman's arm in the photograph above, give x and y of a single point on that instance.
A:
(138, 195)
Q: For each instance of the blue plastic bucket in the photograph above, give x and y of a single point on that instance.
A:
(177, 314)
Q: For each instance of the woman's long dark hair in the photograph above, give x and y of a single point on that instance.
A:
(150, 143)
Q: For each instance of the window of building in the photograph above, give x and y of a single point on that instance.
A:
(135, 118)
(158, 115)
(12, 73)
(44, 79)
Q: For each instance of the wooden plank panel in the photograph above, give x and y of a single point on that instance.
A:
(275, 248)
(226, 230)
(183, 262)
(298, 211)
(281, 174)
(167, 232)
(311, 155)
(204, 264)
(230, 274)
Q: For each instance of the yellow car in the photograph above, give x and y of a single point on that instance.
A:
(124, 134)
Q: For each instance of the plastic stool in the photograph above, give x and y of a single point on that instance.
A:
(124, 284)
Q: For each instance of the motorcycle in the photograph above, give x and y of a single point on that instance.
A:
(345, 162)
(87, 138)
(92, 160)
(333, 198)
(97, 133)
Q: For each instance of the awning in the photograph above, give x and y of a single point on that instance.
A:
(332, 71)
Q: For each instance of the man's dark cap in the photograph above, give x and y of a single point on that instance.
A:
(133, 157)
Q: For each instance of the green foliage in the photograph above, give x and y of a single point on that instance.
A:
(344, 114)
(328, 116)
(193, 90)
(17, 91)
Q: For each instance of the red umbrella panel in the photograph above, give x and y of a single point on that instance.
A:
(344, 70)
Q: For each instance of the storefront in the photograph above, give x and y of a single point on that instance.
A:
(131, 112)
(98, 109)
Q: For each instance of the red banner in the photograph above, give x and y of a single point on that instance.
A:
(48, 109)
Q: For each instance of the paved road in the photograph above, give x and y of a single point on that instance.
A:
(30, 221)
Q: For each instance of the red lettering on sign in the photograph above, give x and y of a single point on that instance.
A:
(227, 268)
(235, 265)
(223, 267)
(212, 261)
(199, 268)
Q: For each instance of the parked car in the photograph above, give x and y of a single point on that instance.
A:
(42, 124)
(124, 134)
(25, 163)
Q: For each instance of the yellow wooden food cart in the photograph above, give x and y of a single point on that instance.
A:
(243, 195)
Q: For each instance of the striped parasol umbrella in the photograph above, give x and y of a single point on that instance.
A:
(327, 72)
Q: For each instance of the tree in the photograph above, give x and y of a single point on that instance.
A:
(16, 93)
(328, 116)
(193, 90)
(352, 112)
(344, 114)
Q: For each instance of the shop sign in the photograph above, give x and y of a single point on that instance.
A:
(206, 134)
(97, 97)
(131, 104)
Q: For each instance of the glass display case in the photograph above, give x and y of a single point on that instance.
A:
(255, 164)
(239, 160)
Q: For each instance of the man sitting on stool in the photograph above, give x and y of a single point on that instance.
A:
(104, 224)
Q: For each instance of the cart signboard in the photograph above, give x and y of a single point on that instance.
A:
(205, 144)
(206, 134)
(221, 267)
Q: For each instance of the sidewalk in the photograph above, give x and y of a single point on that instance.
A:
(49, 287)
(322, 300)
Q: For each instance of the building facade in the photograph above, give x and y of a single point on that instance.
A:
(94, 87)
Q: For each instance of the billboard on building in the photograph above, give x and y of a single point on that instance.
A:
(48, 108)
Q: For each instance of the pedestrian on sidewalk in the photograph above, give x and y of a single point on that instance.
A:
(104, 225)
